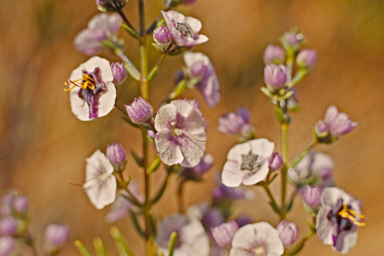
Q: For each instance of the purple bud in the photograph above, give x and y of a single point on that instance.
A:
(179, 76)
(312, 196)
(292, 40)
(162, 35)
(224, 233)
(275, 76)
(307, 59)
(140, 111)
(6, 204)
(119, 73)
(275, 161)
(7, 244)
(196, 173)
(110, 5)
(198, 69)
(287, 232)
(117, 156)
(20, 204)
(274, 54)
(321, 129)
(243, 220)
(56, 235)
(8, 226)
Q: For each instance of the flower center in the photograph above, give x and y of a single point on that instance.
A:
(249, 162)
(185, 29)
(259, 251)
(86, 82)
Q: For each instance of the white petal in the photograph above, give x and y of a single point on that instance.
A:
(191, 149)
(231, 175)
(107, 100)
(238, 150)
(238, 252)
(101, 192)
(165, 116)
(345, 241)
(331, 114)
(244, 237)
(99, 21)
(323, 226)
(262, 147)
(176, 16)
(194, 23)
(104, 66)
(97, 164)
(183, 107)
(201, 39)
(322, 161)
(330, 196)
(257, 176)
(169, 152)
(192, 57)
(79, 106)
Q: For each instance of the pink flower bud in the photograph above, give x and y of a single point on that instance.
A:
(307, 59)
(20, 204)
(274, 54)
(287, 232)
(8, 226)
(7, 244)
(56, 235)
(117, 156)
(119, 73)
(162, 35)
(275, 161)
(275, 76)
(312, 197)
(139, 111)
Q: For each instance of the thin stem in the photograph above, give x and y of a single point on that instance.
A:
(129, 65)
(180, 199)
(158, 63)
(284, 169)
(269, 193)
(302, 153)
(125, 19)
(29, 241)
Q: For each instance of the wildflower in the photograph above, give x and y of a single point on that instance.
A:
(100, 28)
(223, 234)
(191, 237)
(117, 156)
(139, 111)
(201, 73)
(100, 183)
(236, 123)
(338, 219)
(119, 73)
(56, 235)
(287, 232)
(257, 239)
(247, 163)
(162, 37)
(275, 161)
(306, 59)
(292, 40)
(184, 29)
(274, 54)
(92, 93)
(312, 197)
(333, 126)
(275, 76)
(196, 173)
(180, 137)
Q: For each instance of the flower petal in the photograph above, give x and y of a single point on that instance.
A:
(165, 116)
(194, 23)
(107, 100)
(231, 175)
(262, 147)
(192, 57)
(251, 178)
(191, 149)
(168, 148)
(345, 241)
(323, 226)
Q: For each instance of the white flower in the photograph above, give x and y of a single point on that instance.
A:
(100, 183)
(247, 163)
(259, 239)
(92, 93)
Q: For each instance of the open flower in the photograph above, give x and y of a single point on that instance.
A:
(92, 93)
(338, 219)
(191, 237)
(101, 27)
(247, 163)
(202, 74)
(259, 239)
(100, 183)
(181, 136)
(185, 30)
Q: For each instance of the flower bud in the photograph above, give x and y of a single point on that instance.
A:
(243, 220)
(110, 5)
(20, 204)
(56, 235)
(287, 232)
(117, 156)
(139, 111)
(119, 73)
(162, 35)
(292, 40)
(8, 226)
(7, 244)
(275, 161)
(224, 233)
(274, 54)
(306, 59)
(275, 76)
(312, 197)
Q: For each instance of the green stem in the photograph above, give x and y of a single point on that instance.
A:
(302, 153)
(125, 19)
(301, 244)
(132, 70)
(180, 199)
(284, 169)
(269, 193)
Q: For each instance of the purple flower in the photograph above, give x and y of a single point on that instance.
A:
(101, 27)
(247, 163)
(180, 137)
(243, 220)
(257, 239)
(100, 183)
(196, 173)
(312, 197)
(162, 37)
(236, 123)
(139, 111)
(314, 169)
(119, 73)
(338, 219)
(287, 232)
(275, 76)
(208, 216)
(333, 126)
(92, 93)
(184, 29)
(110, 5)
(117, 156)
(20, 204)
(275, 161)
(56, 235)
(223, 194)
(202, 74)
(223, 234)
(307, 59)
(7, 244)
(191, 237)
(274, 54)
(292, 40)
(8, 226)
(13, 203)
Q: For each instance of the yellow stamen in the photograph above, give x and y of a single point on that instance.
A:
(351, 215)
(84, 83)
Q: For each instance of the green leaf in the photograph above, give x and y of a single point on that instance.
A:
(289, 206)
(139, 161)
(275, 207)
(297, 249)
(308, 209)
(309, 223)
(99, 247)
(267, 92)
(132, 71)
(82, 249)
(172, 243)
(161, 191)
(151, 139)
(153, 74)
(131, 31)
(274, 177)
(154, 165)
(287, 95)
(121, 243)
(136, 223)
(280, 115)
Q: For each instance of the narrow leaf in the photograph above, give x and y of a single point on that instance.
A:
(131, 31)
(172, 243)
(154, 165)
(280, 115)
(289, 206)
(99, 247)
(138, 160)
(274, 176)
(82, 249)
(275, 207)
(161, 191)
(153, 74)
(136, 223)
(135, 74)
(121, 243)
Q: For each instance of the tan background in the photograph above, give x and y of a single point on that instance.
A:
(43, 146)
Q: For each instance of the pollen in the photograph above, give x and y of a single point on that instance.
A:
(357, 219)
(86, 82)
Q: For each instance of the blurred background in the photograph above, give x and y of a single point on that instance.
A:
(43, 146)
